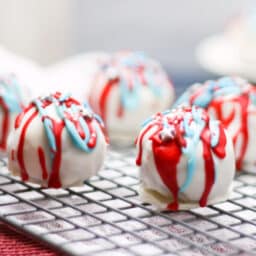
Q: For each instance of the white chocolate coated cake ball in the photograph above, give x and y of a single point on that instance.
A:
(186, 160)
(56, 142)
(13, 97)
(231, 100)
(128, 88)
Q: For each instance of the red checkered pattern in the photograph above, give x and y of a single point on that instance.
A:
(14, 244)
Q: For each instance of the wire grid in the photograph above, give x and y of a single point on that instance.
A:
(105, 216)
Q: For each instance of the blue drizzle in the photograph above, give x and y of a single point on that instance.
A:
(149, 76)
(47, 126)
(10, 93)
(206, 97)
(130, 97)
(211, 89)
(133, 59)
(253, 98)
(74, 134)
(192, 133)
(97, 117)
(62, 110)
(192, 136)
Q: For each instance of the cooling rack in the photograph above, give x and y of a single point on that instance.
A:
(105, 217)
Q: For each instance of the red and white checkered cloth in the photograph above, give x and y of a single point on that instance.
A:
(15, 244)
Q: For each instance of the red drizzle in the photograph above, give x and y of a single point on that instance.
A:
(140, 140)
(129, 72)
(20, 158)
(167, 156)
(20, 117)
(242, 131)
(167, 153)
(104, 97)
(208, 166)
(243, 101)
(56, 128)
(12, 155)
(93, 135)
(54, 180)
(42, 163)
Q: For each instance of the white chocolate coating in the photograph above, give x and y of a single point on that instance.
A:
(154, 188)
(75, 165)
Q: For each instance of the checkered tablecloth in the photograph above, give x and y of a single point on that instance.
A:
(15, 244)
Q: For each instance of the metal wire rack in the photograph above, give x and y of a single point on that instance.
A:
(105, 217)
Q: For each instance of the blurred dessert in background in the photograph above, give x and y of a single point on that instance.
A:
(13, 97)
(242, 31)
(128, 87)
(231, 100)
(28, 72)
(232, 52)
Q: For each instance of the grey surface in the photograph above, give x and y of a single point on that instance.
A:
(105, 216)
(169, 30)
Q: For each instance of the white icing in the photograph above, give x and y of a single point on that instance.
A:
(151, 180)
(76, 165)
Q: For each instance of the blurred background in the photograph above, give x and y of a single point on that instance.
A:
(48, 31)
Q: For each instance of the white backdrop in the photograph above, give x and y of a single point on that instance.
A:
(48, 30)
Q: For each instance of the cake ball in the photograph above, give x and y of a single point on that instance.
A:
(27, 71)
(128, 87)
(231, 100)
(56, 142)
(241, 32)
(12, 98)
(186, 160)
